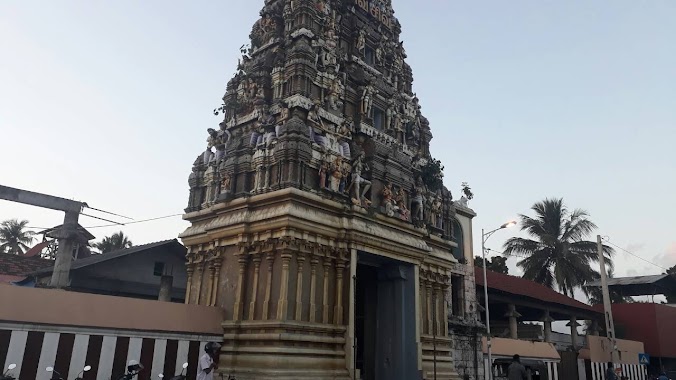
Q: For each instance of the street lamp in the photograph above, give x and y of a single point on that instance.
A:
(484, 237)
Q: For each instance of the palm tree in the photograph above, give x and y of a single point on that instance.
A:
(557, 254)
(14, 238)
(113, 242)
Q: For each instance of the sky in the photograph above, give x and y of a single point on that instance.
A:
(109, 102)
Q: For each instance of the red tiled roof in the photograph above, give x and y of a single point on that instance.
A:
(526, 288)
(19, 265)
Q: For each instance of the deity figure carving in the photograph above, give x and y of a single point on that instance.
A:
(360, 184)
(336, 93)
(367, 100)
(323, 168)
(313, 114)
(346, 128)
(337, 173)
(390, 115)
(418, 199)
(380, 54)
(388, 200)
(215, 141)
(404, 213)
(361, 42)
(435, 207)
(225, 183)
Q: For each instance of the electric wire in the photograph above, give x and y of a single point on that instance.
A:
(115, 223)
(607, 240)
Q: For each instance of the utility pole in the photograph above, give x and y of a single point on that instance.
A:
(66, 235)
(607, 305)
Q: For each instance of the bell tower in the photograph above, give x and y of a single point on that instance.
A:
(319, 220)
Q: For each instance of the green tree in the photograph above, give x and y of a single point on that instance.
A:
(558, 253)
(14, 238)
(113, 242)
(495, 263)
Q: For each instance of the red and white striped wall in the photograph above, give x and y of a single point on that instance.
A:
(632, 371)
(34, 348)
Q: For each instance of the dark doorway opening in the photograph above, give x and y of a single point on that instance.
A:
(385, 319)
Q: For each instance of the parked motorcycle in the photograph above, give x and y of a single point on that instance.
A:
(133, 369)
(58, 376)
(6, 375)
(181, 376)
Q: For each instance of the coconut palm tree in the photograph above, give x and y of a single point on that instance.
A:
(558, 253)
(14, 238)
(113, 242)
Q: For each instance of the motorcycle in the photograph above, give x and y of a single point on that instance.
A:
(6, 375)
(133, 369)
(181, 376)
(58, 376)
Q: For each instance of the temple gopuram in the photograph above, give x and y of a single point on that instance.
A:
(319, 220)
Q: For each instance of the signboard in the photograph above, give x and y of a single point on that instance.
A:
(378, 10)
(644, 359)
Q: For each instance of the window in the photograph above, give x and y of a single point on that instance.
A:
(378, 118)
(158, 269)
(369, 56)
(457, 237)
(457, 295)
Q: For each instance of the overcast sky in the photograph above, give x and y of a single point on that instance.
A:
(108, 102)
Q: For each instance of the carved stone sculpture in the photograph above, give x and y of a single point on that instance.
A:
(367, 100)
(360, 185)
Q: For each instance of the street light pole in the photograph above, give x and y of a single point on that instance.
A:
(484, 238)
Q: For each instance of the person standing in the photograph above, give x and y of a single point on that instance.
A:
(516, 370)
(207, 363)
(610, 372)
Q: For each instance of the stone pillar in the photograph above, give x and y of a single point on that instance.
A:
(573, 331)
(268, 286)
(217, 275)
(198, 276)
(313, 288)
(210, 282)
(446, 293)
(437, 298)
(283, 303)
(338, 308)
(547, 320)
(428, 295)
(238, 310)
(512, 314)
(254, 295)
(188, 287)
(325, 296)
(166, 283)
(300, 259)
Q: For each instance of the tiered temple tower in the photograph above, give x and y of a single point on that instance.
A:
(319, 220)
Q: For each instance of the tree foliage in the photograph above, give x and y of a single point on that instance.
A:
(557, 253)
(432, 174)
(671, 296)
(495, 264)
(113, 242)
(14, 238)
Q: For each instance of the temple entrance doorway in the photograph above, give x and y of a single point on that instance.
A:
(385, 319)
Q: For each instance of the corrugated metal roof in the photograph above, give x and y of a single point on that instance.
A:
(636, 280)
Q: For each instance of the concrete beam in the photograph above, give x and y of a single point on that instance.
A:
(40, 200)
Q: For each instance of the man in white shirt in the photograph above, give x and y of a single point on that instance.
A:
(206, 366)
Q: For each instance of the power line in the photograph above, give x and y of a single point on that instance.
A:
(607, 240)
(136, 221)
(113, 225)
